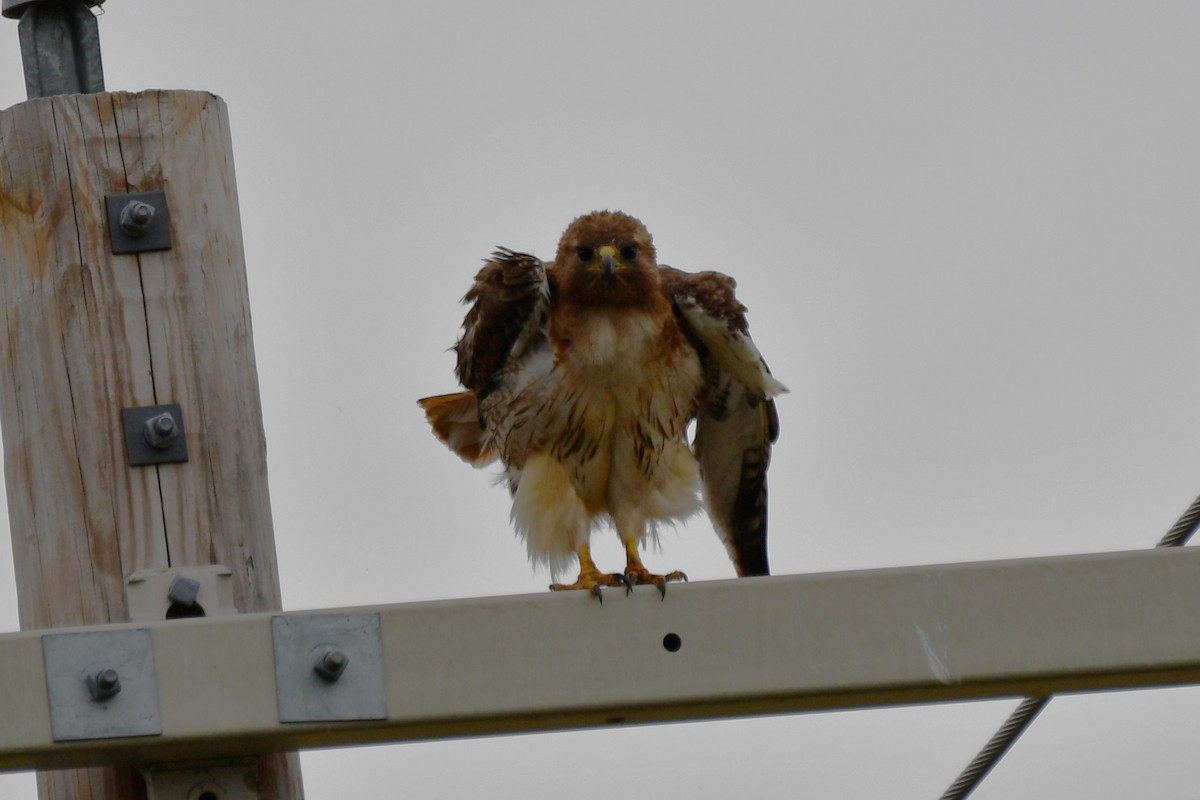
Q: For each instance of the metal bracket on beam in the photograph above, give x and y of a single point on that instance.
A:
(174, 592)
(329, 667)
(230, 781)
(138, 222)
(101, 684)
(154, 434)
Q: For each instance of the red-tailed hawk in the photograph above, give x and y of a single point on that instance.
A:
(582, 376)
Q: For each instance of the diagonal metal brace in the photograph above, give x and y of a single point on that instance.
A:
(60, 46)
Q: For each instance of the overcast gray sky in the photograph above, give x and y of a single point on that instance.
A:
(967, 234)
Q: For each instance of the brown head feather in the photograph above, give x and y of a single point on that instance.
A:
(577, 277)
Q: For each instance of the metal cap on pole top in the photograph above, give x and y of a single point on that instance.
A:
(60, 46)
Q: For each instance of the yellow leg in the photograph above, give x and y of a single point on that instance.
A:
(636, 572)
(590, 578)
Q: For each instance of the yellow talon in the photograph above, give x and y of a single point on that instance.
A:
(636, 572)
(590, 578)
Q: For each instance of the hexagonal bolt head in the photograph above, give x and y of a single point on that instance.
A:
(136, 217)
(104, 684)
(331, 664)
(161, 431)
(184, 590)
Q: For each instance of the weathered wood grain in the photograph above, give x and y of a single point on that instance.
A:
(86, 333)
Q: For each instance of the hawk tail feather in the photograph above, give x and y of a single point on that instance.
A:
(748, 541)
(455, 420)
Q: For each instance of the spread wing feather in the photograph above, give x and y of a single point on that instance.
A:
(507, 316)
(736, 422)
(506, 319)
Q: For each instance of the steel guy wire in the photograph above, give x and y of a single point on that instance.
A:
(1020, 719)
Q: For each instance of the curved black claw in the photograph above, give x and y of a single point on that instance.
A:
(635, 576)
(662, 581)
(621, 581)
(592, 582)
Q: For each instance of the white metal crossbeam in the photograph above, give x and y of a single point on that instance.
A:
(750, 646)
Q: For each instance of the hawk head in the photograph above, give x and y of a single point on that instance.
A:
(607, 258)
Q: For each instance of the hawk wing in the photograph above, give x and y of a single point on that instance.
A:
(736, 422)
(508, 316)
(506, 319)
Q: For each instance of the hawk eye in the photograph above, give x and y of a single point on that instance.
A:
(585, 253)
(629, 252)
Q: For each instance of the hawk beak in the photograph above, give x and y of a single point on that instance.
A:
(608, 260)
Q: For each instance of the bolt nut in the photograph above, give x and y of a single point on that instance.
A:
(184, 590)
(331, 664)
(104, 684)
(161, 431)
(136, 217)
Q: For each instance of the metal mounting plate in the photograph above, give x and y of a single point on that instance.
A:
(157, 232)
(70, 658)
(138, 447)
(304, 696)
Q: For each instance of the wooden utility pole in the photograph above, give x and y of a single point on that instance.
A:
(88, 334)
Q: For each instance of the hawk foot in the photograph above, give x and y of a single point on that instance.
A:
(635, 574)
(591, 580)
